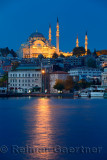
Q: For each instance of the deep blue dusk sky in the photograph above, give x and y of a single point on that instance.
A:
(19, 18)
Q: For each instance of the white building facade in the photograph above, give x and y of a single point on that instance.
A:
(104, 78)
(24, 79)
(85, 73)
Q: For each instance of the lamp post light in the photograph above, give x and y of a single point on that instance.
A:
(43, 71)
(43, 81)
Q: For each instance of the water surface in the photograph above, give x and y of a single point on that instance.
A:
(55, 125)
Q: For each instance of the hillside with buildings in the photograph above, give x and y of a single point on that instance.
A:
(41, 67)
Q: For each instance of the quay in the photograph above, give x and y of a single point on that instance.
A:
(69, 95)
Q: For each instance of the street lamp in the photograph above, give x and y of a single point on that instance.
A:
(43, 80)
(43, 71)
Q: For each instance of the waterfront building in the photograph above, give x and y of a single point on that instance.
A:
(24, 79)
(85, 73)
(104, 78)
(58, 75)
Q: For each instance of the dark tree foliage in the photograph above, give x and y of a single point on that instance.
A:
(6, 51)
(78, 51)
(59, 85)
(40, 56)
(95, 53)
(62, 56)
(91, 63)
(55, 55)
(82, 84)
(15, 65)
(13, 53)
(4, 80)
(69, 83)
(89, 52)
(57, 68)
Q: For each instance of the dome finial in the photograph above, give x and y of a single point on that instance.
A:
(57, 20)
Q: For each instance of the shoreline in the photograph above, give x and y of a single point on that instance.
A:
(37, 95)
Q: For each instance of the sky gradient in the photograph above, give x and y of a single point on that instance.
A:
(20, 18)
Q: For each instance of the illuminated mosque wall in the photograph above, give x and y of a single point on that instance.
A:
(37, 44)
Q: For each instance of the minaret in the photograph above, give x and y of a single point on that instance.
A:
(57, 37)
(86, 43)
(77, 42)
(50, 34)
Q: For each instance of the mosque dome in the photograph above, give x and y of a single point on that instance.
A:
(36, 34)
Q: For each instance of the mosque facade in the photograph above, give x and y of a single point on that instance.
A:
(37, 44)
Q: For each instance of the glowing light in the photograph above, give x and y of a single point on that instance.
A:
(29, 91)
(43, 71)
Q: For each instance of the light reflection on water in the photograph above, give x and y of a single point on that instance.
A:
(42, 130)
(45, 123)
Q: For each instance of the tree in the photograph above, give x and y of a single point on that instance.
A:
(83, 84)
(55, 55)
(91, 63)
(62, 56)
(4, 80)
(15, 65)
(6, 51)
(69, 83)
(95, 53)
(40, 56)
(13, 53)
(59, 85)
(78, 51)
(89, 52)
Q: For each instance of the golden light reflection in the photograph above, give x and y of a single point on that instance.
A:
(43, 130)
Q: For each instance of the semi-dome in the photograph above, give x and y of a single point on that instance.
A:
(37, 34)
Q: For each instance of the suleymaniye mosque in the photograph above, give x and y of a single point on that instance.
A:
(37, 44)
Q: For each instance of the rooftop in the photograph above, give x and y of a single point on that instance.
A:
(59, 72)
(37, 34)
(28, 67)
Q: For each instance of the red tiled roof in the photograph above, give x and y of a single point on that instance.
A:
(59, 72)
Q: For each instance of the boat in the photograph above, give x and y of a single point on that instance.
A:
(96, 92)
(84, 93)
(105, 94)
(75, 94)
